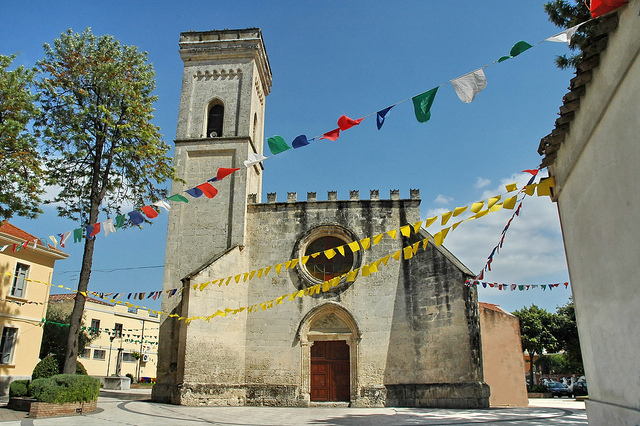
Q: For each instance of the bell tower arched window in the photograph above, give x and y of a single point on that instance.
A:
(215, 119)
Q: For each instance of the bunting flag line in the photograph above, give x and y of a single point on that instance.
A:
(135, 217)
(466, 86)
(513, 287)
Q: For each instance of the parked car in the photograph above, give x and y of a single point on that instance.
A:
(580, 389)
(558, 389)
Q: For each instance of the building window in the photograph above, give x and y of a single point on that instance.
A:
(117, 329)
(19, 280)
(128, 357)
(95, 325)
(86, 353)
(215, 118)
(8, 344)
(99, 354)
(323, 268)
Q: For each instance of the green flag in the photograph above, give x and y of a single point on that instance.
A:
(120, 220)
(277, 145)
(519, 47)
(422, 105)
(178, 197)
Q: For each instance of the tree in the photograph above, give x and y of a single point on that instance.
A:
(564, 14)
(537, 328)
(567, 335)
(102, 149)
(21, 172)
(55, 333)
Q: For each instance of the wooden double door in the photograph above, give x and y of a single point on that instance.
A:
(330, 371)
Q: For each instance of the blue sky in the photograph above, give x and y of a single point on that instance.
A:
(330, 58)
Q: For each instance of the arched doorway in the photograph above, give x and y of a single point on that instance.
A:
(329, 338)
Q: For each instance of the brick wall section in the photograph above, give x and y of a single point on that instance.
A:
(41, 410)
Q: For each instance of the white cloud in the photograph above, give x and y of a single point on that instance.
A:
(482, 182)
(532, 253)
(441, 199)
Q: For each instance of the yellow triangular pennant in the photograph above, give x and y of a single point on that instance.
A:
(455, 225)
(416, 227)
(278, 268)
(287, 264)
(365, 271)
(354, 246)
(340, 250)
(266, 270)
(424, 243)
(392, 233)
(492, 201)
(329, 253)
(414, 247)
(459, 210)
(377, 239)
(237, 278)
(496, 207)
(293, 264)
(510, 202)
(408, 253)
(530, 189)
(476, 207)
(351, 276)
(406, 230)
(304, 260)
(385, 259)
(396, 255)
(511, 187)
(260, 272)
(430, 221)
(366, 243)
(252, 274)
(445, 217)
(246, 275)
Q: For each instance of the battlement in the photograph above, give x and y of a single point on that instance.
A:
(354, 195)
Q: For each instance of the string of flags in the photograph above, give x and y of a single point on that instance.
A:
(514, 287)
(479, 209)
(108, 331)
(467, 87)
(135, 217)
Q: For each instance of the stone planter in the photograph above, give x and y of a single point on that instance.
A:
(117, 383)
(41, 410)
(539, 395)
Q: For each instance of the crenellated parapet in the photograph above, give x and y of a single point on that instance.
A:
(354, 195)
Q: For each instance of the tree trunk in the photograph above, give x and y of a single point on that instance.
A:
(75, 320)
(531, 375)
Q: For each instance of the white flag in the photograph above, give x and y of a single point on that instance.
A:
(163, 204)
(108, 227)
(565, 36)
(254, 159)
(469, 85)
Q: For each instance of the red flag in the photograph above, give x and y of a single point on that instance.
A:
(345, 122)
(149, 211)
(600, 7)
(96, 230)
(24, 246)
(208, 190)
(332, 135)
(532, 171)
(224, 172)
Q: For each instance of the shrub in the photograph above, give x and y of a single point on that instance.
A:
(65, 388)
(537, 389)
(80, 369)
(48, 367)
(130, 376)
(18, 388)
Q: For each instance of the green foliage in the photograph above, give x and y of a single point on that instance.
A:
(54, 335)
(47, 367)
(79, 369)
(536, 331)
(20, 162)
(130, 376)
(567, 335)
(565, 15)
(65, 388)
(18, 388)
(102, 149)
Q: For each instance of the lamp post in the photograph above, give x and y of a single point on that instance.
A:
(109, 360)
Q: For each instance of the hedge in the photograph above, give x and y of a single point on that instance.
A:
(18, 388)
(51, 366)
(65, 388)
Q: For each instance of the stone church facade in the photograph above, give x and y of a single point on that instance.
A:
(408, 335)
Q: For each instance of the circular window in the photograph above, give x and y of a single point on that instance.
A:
(323, 267)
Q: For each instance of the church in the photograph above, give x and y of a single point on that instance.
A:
(407, 335)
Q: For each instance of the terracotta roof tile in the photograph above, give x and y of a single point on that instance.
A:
(72, 296)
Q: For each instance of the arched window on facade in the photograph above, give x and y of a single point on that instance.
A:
(215, 119)
(255, 128)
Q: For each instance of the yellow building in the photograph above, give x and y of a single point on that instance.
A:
(122, 330)
(23, 303)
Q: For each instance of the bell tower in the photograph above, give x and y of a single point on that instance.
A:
(225, 81)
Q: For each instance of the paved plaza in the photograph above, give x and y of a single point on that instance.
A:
(134, 408)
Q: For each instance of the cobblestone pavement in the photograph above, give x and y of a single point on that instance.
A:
(133, 408)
